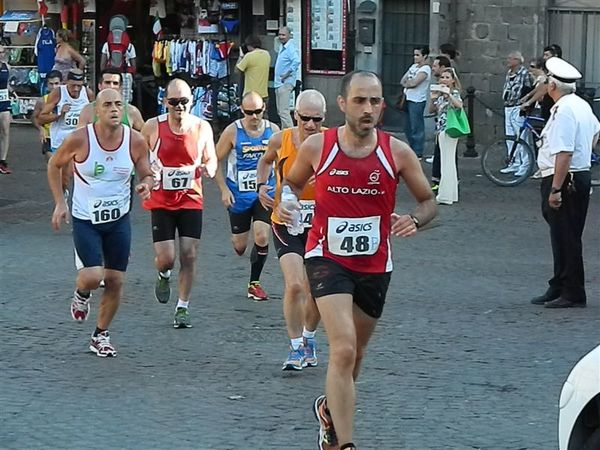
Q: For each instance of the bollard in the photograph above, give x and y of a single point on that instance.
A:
(470, 152)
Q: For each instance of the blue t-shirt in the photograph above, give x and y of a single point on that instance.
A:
(241, 167)
(45, 46)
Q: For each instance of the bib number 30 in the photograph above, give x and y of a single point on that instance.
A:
(353, 236)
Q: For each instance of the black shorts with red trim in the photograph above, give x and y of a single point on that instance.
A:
(286, 243)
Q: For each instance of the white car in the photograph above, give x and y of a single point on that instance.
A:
(579, 416)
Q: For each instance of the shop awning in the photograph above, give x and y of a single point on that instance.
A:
(12, 19)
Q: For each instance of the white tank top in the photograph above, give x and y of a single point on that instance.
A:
(67, 123)
(101, 190)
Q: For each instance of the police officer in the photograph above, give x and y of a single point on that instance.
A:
(564, 160)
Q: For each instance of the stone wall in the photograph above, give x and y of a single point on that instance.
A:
(484, 32)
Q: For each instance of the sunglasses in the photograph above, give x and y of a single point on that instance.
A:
(533, 66)
(250, 112)
(178, 101)
(309, 118)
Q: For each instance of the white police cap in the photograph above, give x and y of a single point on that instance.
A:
(562, 70)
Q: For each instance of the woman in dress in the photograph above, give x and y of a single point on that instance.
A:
(447, 96)
(67, 57)
(416, 84)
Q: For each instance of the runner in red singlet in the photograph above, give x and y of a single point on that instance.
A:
(348, 252)
(182, 147)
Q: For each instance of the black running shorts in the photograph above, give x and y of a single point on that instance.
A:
(187, 222)
(368, 290)
(241, 222)
(285, 243)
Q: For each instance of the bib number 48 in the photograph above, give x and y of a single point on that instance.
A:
(358, 244)
(353, 236)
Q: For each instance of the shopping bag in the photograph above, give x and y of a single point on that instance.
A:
(457, 124)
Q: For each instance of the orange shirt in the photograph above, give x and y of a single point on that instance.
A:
(286, 155)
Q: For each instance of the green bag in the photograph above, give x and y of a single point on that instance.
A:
(457, 124)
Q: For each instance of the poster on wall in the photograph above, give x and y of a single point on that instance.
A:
(327, 24)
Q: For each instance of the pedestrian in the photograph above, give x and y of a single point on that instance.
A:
(546, 103)
(449, 51)
(446, 96)
(66, 57)
(299, 309)
(112, 78)
(286, 75)
(5, 111)
(182, 148)
(439, 64)
(564, 159)
(108, 152)
(243, 143)
(416, 87)
(119, 52)
(348, 253)
(53, 81)
(254, 62)
(517, 83)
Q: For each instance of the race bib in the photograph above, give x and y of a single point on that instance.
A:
(353, 236)
(176, 179)
(3, 95)
(71, 119)
(107, 209)
(307, 212)
(247, 180)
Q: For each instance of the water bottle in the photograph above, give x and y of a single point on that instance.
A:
(290, 202)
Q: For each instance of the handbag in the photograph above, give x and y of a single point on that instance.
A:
(457, 124)
(401, 103)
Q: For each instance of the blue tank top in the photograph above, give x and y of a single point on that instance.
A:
(45, 45)
(4, 99)
(241, 166)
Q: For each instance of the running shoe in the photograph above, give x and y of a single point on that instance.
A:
(327, 438)
(5, 169)
(182, 318)
(310, 352)
(435, 187)
(256, 292)
(162, 289)
(101, 345)
(295, 359)
(80, 307)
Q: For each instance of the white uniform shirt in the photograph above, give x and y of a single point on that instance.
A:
(60, 128)
(571, 128)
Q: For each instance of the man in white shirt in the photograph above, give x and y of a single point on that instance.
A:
(564, 161)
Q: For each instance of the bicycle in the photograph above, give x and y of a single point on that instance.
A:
(498, 162)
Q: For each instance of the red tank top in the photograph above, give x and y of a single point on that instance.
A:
(355, 198)
(175, 162)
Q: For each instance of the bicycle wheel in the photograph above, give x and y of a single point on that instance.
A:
(508, 169)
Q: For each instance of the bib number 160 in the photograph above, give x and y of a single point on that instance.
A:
(106, 215)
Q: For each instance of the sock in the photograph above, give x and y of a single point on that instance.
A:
(98, 331)
(182, 304)
(296, 343)
(165, 274)
(308, 334)
(83, 294)
(257, 260)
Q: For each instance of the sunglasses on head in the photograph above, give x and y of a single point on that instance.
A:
(178, 101)
(250, 112)
(309, 118)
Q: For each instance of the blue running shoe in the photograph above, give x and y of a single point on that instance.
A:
(310, 352)
(295, 360)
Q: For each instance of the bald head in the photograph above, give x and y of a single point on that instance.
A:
(109, 107)
(311, 98)
(108, 95)
(252, 100)
(178, 88)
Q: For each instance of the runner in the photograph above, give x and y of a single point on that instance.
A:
(299, 309)
(5, 115)
(244, 142)
(348, 253)
(111, 78)
(53, 80)
(182, 147)
(104, 155)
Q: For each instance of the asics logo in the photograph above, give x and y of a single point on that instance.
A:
(353, 227)
(339, 172)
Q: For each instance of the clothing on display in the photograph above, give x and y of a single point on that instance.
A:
(205, 102)
(194, 57)
(45, 49)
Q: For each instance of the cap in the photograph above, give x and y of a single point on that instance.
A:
(562, 70)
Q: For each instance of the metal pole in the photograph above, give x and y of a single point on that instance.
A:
(470, 152)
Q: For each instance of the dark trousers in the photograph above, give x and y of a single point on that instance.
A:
(566, 227)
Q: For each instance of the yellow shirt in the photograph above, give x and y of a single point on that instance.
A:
(255, 65)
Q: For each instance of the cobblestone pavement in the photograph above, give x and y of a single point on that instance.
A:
(460, 360)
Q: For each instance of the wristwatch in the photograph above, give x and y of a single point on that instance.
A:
(258, 185)
(415, 221)
(555, 190)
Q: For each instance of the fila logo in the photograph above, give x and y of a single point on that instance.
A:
(339, 172)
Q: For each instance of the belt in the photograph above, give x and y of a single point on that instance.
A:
(549, 172)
